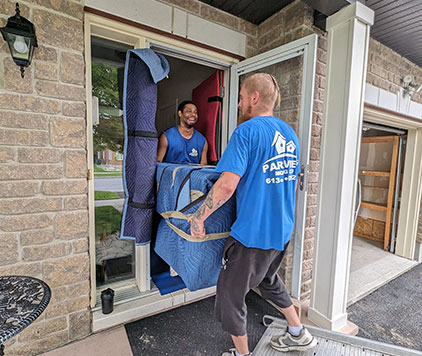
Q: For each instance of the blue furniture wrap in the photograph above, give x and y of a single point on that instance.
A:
(143, 69)
(197, 263)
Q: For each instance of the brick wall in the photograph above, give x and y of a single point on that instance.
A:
(43, 187)
(387, 68)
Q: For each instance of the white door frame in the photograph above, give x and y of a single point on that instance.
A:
(139, 38)
(412, 177)
(306, 46)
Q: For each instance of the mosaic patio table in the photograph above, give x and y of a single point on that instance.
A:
(22, 300)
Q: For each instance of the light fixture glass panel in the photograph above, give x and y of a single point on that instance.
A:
(19, 46)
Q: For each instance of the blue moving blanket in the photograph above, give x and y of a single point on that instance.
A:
(181, 190)
(143, 69)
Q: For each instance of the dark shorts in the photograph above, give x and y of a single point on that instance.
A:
(243, 269)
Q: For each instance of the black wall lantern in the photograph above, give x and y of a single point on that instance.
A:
(19, 33)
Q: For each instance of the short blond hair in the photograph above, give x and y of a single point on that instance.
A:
(267, 87)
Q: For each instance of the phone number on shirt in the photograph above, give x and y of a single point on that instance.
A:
(279, 180)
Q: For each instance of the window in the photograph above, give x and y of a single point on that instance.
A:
(114, 258)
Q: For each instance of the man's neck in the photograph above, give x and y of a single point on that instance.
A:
(186, 132)
(263, 113)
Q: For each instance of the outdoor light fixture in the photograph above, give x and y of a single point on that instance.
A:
(410, 86)
(19, 33)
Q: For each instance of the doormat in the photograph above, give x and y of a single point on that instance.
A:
(166, 283)
(392, 313)
(191, 330)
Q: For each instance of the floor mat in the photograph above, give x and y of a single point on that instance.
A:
(166, 283)
(191, 330)
(392, 313)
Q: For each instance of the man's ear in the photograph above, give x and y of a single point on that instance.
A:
(179, 114)
(255, 97)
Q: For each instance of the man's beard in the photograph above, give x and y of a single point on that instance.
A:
(188, 124)
(246, 114)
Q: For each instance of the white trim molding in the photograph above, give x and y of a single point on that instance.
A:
(347, 57)
(400, 102)
(173, 20)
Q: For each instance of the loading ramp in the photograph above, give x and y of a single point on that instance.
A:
(330, 343)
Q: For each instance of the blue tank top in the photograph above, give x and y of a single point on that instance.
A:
(182, 150)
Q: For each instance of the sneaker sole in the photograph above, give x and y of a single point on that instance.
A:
(309, 346)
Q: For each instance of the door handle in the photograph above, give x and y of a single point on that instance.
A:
(302, 177)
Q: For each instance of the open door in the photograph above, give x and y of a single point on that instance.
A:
(293, 65)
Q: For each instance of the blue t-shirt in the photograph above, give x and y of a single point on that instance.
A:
(264, 152)
(180, 149)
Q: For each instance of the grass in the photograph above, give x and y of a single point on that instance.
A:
(99, 172)
(107, 221)
(100, 195)
(98, 169)
(108, 174)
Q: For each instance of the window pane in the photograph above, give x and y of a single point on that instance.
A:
(115, 258)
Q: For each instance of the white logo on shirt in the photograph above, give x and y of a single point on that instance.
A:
(281, 147)
(193, 153)
(283, 168)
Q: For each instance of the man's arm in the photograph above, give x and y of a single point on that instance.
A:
(222, 191)
(162, 148)
(204, 153)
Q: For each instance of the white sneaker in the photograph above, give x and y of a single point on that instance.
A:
(288, 342)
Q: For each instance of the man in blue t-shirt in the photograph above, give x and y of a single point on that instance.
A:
(261, 161)
(182, 143)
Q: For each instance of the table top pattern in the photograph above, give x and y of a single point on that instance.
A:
(22, 300)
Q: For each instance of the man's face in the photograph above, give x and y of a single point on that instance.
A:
(245, 105)
(189, 116)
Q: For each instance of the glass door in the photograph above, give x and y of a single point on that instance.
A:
(114, 258)
(293, 65)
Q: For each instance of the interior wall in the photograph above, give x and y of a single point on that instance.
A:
(183, 77)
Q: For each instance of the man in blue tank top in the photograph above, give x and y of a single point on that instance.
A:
(182, 143)
(260, 163)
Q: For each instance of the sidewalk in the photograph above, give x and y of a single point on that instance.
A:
(107, 343)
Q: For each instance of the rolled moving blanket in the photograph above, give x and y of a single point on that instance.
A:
(181, 190)
(143, 69)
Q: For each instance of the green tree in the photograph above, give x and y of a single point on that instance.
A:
(109, 132)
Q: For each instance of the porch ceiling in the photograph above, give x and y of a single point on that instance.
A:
(397, 22)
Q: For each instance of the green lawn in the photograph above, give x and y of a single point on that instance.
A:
(100, 195)
(99, 172)
(98, 169)
(107, 221)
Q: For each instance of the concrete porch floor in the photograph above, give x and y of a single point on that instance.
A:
(371, 267)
